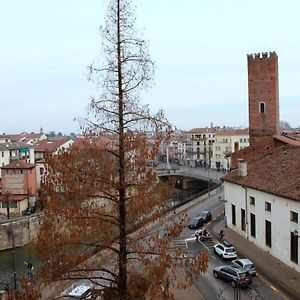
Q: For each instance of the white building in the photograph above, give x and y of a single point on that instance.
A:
(24, 137)
(262, 203)
(51, 147)
(199, 146)
(225, 143)
(10, 152)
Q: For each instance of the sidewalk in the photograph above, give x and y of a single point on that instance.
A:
(285, 278)
(190, 293)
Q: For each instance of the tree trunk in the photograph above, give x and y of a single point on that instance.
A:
(122, 191)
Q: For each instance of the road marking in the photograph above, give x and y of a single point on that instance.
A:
(179, 243)
(271, 286)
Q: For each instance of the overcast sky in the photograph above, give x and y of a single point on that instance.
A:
(199, 47)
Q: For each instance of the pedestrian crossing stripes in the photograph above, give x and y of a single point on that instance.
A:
(179, 243)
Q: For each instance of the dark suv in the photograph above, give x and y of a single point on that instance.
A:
(206, 215)
(237, 277)
(196, 222)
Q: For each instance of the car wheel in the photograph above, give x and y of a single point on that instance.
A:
(233, 284)
(216, 275)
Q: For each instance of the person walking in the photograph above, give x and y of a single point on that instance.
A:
(221, 235)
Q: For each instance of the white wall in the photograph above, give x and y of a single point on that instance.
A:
(281, 226)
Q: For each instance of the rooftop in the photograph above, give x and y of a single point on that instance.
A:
(277, 173)
(232, 132)
(19, 165)
(50, 145)
(203, 130)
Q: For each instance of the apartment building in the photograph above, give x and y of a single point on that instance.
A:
(199, 147)
(18, 186)
(14, 151)
(225, 143)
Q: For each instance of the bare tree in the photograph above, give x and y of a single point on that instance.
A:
(101, 194)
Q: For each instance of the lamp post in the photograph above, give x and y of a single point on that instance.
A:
(13, 256)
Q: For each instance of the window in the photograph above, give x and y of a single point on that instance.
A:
(4, 204)
(233, 214)
(243, 219)
(268, 233)
(252, 200)
(294, 216)
(294, 247)
(13, 204)
(262, 108)
(245, 140)
(252, 225)
(41, 171)
(2, 154)
(267, 206)
(241, 140)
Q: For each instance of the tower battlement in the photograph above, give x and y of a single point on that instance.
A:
(261, 56)
(263, 95)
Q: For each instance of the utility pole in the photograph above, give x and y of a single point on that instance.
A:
(13, 256)
(7, 205)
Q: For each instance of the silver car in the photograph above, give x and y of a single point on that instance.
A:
(245, 264)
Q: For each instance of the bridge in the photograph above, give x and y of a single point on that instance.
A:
(200, 173)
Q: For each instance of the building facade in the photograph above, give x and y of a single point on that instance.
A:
(14, 151)
(18, 186)
(199, 147)
(225, 143)
(262, 203)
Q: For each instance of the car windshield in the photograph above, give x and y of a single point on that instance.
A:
(249, 266)
(194, 221)
(230, 250)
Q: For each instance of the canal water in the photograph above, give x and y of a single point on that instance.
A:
(18, 258)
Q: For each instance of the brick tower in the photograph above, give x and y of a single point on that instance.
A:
(263, 95)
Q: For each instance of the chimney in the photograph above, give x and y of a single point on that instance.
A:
(236, 146)
(242, 168)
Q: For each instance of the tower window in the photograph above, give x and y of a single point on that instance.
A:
(262, 107)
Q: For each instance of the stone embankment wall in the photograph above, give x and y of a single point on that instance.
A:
(20, 232)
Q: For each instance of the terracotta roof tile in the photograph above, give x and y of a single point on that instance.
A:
(19, 165)
(277, 173)
(232, 132)
(287, 139)
(13, 197)
(203, 130)
(49, 145)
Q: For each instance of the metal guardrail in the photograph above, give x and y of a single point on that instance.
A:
(176, 202)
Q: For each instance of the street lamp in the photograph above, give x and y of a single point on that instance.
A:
(296, 234)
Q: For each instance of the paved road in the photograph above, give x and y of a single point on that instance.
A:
(212, 288)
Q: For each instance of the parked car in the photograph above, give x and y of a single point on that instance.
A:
(28, 211)
(206, 215)
(196, 222)
(246, 264)
(237, 277)
(225, 250)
